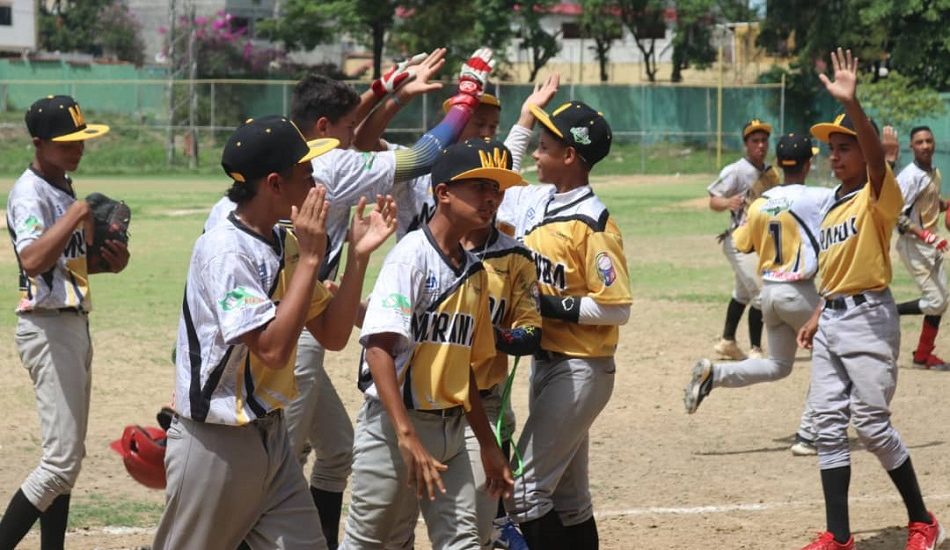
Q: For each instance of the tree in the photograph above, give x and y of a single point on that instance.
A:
(644, 19)
(917, 39)
(600, 23)
(95, 27)
(121, 34)
(692, 32)
(889, 100)
(542, 44)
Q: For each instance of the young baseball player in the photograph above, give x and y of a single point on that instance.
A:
(779, 228)
(50, 230)
(426, 328)
(737, 186)
(855, 331)
(252, 287)
(919, 246)
(584, 297)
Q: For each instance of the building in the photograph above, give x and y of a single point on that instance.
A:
(18, 28)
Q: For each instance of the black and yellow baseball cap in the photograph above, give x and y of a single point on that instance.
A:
(476, 159)
(794, 150)
(578, 125)
(266, 145)
(58, 118)
(756, 125)
(842, 124)
(488, 97)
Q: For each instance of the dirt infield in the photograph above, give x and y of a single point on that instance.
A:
(661, 479)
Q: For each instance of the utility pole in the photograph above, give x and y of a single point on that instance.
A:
(182, 63)
(192, 93)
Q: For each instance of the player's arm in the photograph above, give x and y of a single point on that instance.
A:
(743, 237)
(333, 327)
(415, 82)
(905, 226)
(523, 335)
(843, 89)
(498, 479)
(423, 469)
(723, 193)
(275, 342)
(806, 334)
(42, 254)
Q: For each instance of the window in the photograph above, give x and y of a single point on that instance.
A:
(571, 30)
(6, 16)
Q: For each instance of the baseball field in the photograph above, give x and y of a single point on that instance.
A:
(722, 478)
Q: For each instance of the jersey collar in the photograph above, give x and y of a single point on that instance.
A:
(448, 261)
(563, 201)
(69, 180)
(276, 245)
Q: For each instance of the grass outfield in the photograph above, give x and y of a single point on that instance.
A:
(669, 241)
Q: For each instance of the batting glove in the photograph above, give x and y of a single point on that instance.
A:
(936, 241)
(399, 74)
(472, 78)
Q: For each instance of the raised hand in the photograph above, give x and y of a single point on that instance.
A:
(475, 71)
(846, 76)
(369, 232)
(418, 83)
(543, 93)
(396, 76)
(890, 144)
(310, 223)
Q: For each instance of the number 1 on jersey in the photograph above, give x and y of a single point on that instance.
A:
(775, 230)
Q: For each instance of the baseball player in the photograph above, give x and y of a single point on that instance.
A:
(855, 331)
(737, 186)
(252, 287)
(50, 230)
(584, 297)
(779, 227)
(426, 328)
(919, 246)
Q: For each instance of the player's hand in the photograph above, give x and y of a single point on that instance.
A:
(846, 76)
(498, 480)
(310, 224)
(473, 77)
(418, 83)
(331, 286)
(806, 334)
(424, 470)
(735, 202)
(542, 95)
(369, 232)
(396, 76)
(116, 254)
(933, 239)
(890, 144)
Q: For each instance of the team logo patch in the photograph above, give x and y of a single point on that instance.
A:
(30, 226)
(399, 303)
(432, 283)
(605, 269)
(239, 298)
(368, 160)
(581, 135)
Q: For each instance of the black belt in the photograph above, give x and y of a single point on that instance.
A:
(444, 413)
(545, 355)
(845, 302)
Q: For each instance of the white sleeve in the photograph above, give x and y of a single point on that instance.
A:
(232, 288)
(593, 313)
(725, 184)
(349, 175)
(911, 183)
(391, 305)
(517, 142)
(511, 206)
(28, 219)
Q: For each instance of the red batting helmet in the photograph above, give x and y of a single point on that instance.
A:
(143, 452)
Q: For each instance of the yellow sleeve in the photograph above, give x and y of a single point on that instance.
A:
(743, 237)
(320, 300)
(605, 269)
(483, 341)
(524, 295)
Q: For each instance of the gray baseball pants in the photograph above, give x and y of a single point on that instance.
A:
(745, 268)
(785, 308)
(56, 349)
(567, 394)
(853, 378)
(228, 484)
(925, 264)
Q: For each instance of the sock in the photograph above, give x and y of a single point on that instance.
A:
(17, 520)
(755, 327)
(329, 506)
(928, 334)
(546, 532)
(905, 480)
(583, 536)
(733, 314)
(53, 524)
(835, 483)
(909, 308)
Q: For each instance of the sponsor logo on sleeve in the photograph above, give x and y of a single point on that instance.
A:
(240, 298)
(398, 303)
(30, 226)
(605, 269)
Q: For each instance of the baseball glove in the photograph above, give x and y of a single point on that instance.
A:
(111, 220)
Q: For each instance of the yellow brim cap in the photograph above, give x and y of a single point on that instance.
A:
(504, 178)
(89, 132)
(761, 127)
(545, 119)
(318, 147)
(823, 130)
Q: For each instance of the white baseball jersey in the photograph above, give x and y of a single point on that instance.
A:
(440, 314)
(33, 206)
(523, 207)
(921, 192)
(742, 177)
(235, 281)
(414, 197)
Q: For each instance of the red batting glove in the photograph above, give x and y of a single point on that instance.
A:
(472, 78)
(932, 239)
(399, 74)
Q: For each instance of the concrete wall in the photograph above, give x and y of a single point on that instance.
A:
(20, 36)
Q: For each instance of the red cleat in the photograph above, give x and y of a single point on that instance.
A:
(826, 541)
(930, 361)
(924, 536)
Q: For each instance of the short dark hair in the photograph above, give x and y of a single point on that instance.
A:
(916, 129)
(241, 191)
(317, 96)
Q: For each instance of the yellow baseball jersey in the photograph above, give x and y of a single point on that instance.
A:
(440, 314)
(512, 297)
(236, 280)
(921, 191)
(855, 239)
(578, 252)
(779, 228)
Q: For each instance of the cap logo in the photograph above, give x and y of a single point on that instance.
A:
(498, 158)
(76, 114)
(838, 120)
(581, 135)
(560, 109)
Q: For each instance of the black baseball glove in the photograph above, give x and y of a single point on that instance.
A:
(111, 220)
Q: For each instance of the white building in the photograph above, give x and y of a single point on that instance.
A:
(17, 26)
